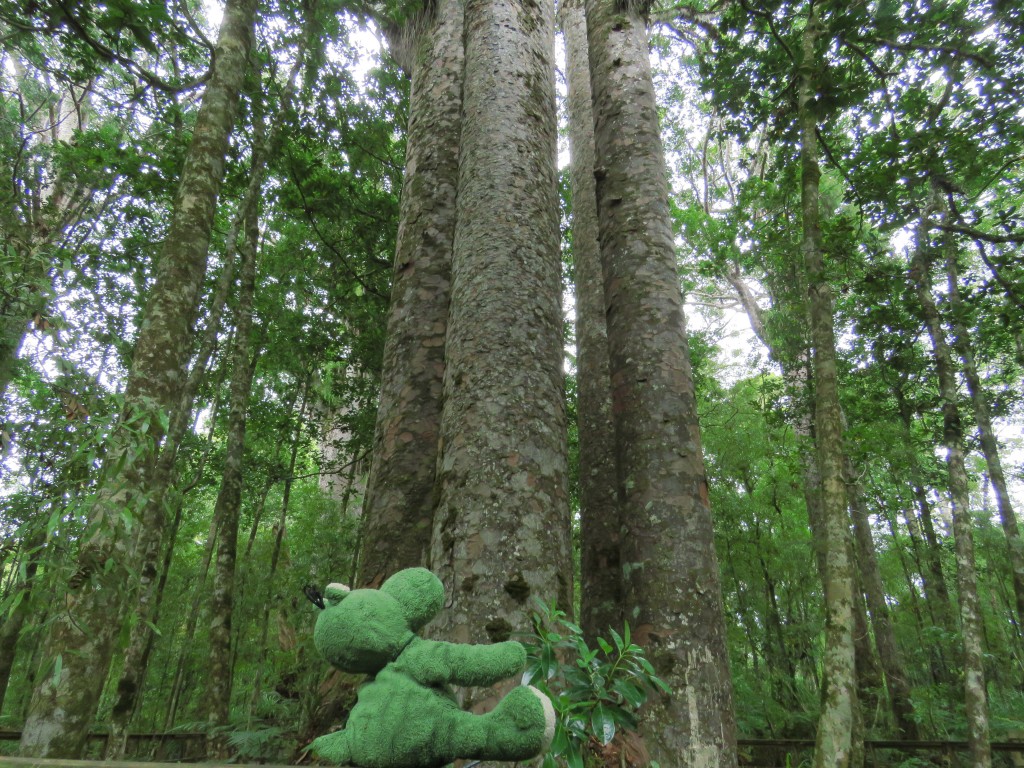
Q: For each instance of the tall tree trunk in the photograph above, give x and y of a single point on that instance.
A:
(276, 555)
(229, 499)
(989, 444)
(881, 622)
(10, 630)
(501, 531)
(398, 507)
(600, 526)
(671, 576)
(835, 740)
(963, 535)
(190, 626)
(84, 635)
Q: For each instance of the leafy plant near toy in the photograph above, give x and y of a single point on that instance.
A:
(596, 691)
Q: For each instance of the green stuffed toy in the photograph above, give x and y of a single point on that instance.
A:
(406, 715)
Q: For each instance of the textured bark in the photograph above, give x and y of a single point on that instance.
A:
(398, 508)
(229, 498)
(14, 622)
(671, 576)
(963, 535)
(987, 435)
(84, 635)
(601, 568)
(502, 527)
(835, 738)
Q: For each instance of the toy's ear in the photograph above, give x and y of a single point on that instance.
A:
(420, 593)
(335, 593)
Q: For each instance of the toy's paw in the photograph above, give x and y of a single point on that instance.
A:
(524, 723)
(332, 748)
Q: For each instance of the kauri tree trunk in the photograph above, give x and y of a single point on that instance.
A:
(600, 569)
(398, 507)
(501, 533)
(82, 637)
(671, 576)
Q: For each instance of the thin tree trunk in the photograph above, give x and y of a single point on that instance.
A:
(501, 533)
(933, 579)
(190, 625)
(835, 744)
(398, 507)
(82, 639)
(276, 554)
(14, 622)
(229, 499)
(671, 575)
(963, 535)
(874, 592)
(600, 526)
(989, 444)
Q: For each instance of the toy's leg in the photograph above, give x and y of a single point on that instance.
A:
(333, 748)
(520, 727)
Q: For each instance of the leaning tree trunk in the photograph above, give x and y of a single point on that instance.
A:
(229, 499)
(671, 576)
(501, 533)
(963, 535)
(835, 740)
(989, 444)
(398, 507)
(600, 568)
(83, 636)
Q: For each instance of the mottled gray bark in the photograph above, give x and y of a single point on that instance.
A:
(600, 526)
(835, 738)
(670, 570)
(229, 498)
(986, 433)
(398, 507)
(83, 636)
(963, 535)
(502, 529)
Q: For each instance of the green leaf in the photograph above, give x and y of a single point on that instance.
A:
(58, 667)
(573, 755)
(602, 724)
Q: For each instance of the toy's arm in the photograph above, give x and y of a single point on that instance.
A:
(434, 662)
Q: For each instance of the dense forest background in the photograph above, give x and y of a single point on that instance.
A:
(201, 209)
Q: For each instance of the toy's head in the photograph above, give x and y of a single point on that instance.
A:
(361, 631)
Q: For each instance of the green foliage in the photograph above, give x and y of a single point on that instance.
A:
(596, 692)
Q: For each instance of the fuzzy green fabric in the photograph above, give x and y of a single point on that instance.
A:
(406, 715)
